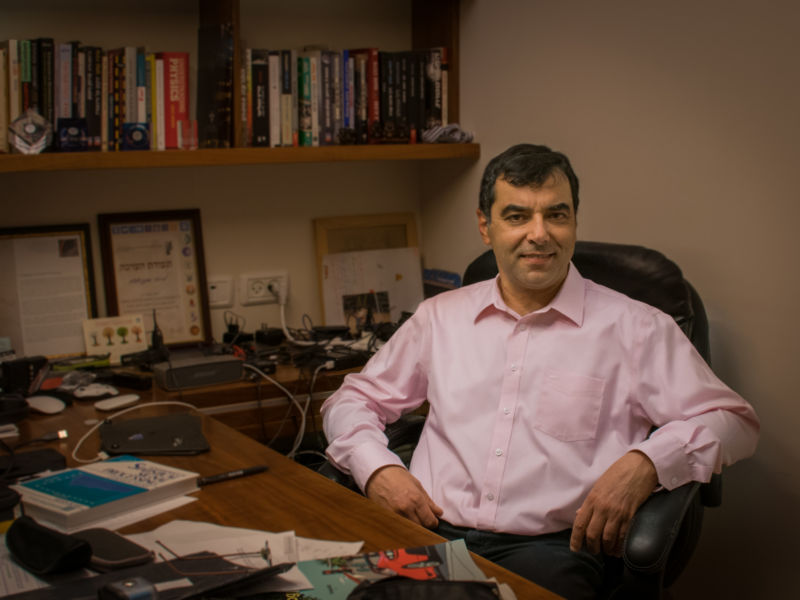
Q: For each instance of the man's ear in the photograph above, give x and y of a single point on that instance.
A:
(483, 227)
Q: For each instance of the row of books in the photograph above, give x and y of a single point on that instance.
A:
(128, 98)
(319, 97)
(94, 99)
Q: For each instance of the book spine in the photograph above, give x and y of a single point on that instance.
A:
(295, 102)
(104, 101)
(215, 92)
(24, 52)
(81, 84)
(118, 82)
(176, 94)
(360, 98)
(402, 98)
(3, 100)
(92, 96)
(149, 94)
(304, 100)
(36, 102)
(373, 97)
(247, 97)
(75, 84)
(274, 97)
(260, 69)
(314, 78)
(336, 76)
(445, 98)
(433, 88)
(161, 134)
(46, 78)
(346, 87)
(131, 110)
(286, 98)
(14, 94)
(326, 100)
(413, 97)
(141, 87)
(63, 88)
(386, 65)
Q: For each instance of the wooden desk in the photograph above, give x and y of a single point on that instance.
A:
(286, 497)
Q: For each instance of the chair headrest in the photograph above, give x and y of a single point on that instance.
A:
(641, 273)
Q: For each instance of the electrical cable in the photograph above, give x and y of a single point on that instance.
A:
(288, 394)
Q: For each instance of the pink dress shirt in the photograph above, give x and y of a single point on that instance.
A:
(526, 413)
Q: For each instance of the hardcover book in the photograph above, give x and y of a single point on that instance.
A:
(176, 94)
(77, 498)
(215, 85)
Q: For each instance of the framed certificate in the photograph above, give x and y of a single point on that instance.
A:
(46, 288)
(153, 266)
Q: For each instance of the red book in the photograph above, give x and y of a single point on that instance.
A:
(176, 94)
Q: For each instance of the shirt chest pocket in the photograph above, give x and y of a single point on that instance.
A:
(568, 406)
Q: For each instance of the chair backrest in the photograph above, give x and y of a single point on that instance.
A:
(641, 273)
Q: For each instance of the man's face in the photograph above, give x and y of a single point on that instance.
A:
(532, 233)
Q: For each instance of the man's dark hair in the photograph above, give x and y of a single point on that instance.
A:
(525, 165)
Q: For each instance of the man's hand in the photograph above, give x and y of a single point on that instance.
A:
(398, 490)
(604, 517)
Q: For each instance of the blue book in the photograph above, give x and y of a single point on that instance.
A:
(77, 498)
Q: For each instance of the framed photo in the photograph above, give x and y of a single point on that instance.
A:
(153, 266)
(46, 288)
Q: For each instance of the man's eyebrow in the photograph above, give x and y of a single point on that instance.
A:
(514, 208)
(561, 206)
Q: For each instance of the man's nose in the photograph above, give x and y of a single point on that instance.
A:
(537, 231)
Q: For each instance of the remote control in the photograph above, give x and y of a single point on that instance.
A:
(116, 402)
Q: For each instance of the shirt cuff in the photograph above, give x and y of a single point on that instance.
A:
(368, 458)
(668, 454)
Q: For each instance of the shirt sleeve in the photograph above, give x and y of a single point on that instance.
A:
(392, 383)
(702, 423)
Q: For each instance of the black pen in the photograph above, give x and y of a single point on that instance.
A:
(201, 481)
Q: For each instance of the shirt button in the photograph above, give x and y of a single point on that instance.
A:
(499, 452)
(523, 327)
(507, 411)
(514, 367)
(674, 480)
(490, 496)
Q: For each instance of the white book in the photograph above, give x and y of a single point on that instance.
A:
(83, 496)
(161, 136)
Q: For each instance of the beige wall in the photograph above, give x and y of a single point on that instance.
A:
(681, 119)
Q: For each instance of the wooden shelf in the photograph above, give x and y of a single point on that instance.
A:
(69, 161)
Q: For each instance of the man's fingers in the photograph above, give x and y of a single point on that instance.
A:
(579, 529)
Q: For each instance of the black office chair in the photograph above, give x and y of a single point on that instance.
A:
(666, 528)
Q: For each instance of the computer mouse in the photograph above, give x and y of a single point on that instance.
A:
(49, 405)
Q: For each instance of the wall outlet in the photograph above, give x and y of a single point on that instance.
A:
(263, 288)
(220, 291)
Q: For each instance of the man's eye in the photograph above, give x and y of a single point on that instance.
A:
(514, 218)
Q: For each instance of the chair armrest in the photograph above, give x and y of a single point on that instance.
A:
(328, 470)
(656, 525)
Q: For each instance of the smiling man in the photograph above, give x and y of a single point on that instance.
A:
(543, 388)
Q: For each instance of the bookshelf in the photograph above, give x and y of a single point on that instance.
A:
(434, 23)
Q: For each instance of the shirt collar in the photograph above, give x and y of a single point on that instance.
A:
(569, 300)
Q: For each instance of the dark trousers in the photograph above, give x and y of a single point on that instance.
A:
(544, 559)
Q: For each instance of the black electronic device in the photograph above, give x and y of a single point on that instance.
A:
(18, 375)
(183, 373)
(111, 550)
(13, 408)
